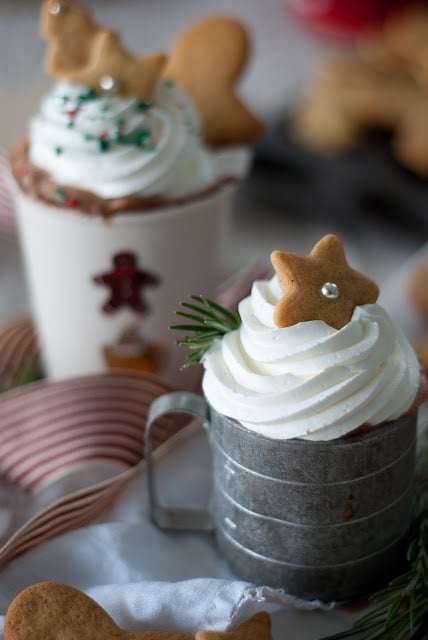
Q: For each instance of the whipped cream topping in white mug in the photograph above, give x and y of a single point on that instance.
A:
(116, 146)
(310, 380)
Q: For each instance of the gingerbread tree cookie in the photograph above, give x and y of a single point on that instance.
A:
(321, 286)
(82, 52)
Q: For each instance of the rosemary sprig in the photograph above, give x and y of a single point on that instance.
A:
(209, 321)
(401, 611)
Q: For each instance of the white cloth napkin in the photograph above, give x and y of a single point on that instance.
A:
(144, 577)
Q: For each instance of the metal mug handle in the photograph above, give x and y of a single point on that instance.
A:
(174, 517)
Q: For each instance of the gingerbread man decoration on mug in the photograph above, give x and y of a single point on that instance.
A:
(126, 281)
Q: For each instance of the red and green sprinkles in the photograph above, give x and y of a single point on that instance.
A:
(141, 138)
(115, 132)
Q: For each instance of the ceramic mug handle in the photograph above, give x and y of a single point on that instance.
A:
(174, 517)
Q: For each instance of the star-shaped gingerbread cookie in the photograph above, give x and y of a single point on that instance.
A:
(321, 286)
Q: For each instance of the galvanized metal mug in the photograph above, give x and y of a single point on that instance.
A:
(325, 520)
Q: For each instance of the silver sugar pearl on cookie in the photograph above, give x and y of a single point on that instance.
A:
(55, 9)
(109, 84)
(330, 290)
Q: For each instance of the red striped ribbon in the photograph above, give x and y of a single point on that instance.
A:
(50, 429)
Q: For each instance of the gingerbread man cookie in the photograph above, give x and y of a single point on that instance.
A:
(206, 63)
(321, 286)
(54, 611)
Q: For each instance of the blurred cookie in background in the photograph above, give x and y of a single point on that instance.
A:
(353, 148)
(382, 86)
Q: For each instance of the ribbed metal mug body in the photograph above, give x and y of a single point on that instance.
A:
(322, 520)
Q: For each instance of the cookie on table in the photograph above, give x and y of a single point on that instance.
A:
(55, 611)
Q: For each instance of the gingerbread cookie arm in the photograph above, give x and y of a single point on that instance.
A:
(206, 63)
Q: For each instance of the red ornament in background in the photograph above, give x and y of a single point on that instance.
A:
(342, 17)
(126, 282)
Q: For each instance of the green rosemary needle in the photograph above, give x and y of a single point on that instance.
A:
(401, 611)
(208, 322)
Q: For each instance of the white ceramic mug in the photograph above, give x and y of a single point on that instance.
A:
(96, 281)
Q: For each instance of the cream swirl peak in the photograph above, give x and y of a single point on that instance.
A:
(116, 146)
(310, 380)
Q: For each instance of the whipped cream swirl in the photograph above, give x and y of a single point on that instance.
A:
(309, 380)
(115, 146)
